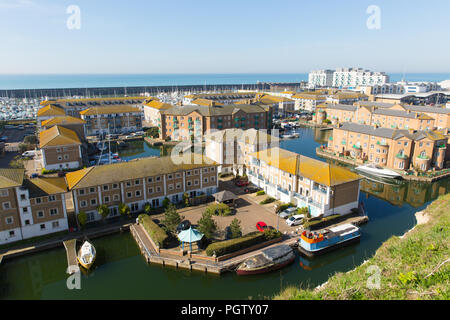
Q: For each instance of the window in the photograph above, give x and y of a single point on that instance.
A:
(188, 173)
(150, 180)
(106, 199)
(9, 220)
(196, 182)
(158, 179)
(80, 192)
(178, 175)
(105, 188)
(23, 197)
(53, 212)
(93, 202)
(55, 224)
(178, 185)
(213, 179)
(115, 186)
(205, 170)
(12, 234)
(138, 193)
(128, 184)
(170, 186)
(150, 190)
(27, 222)
(51, 198)
(92, 190)
(66, 157)
(116, 197)
(158, 189)
(195, 172)
(25, 210)
(42, 226)
(60, 158)
(4, 193)
(83, 204)
(189, 183)
(205, 180)
(170, 177)
(6, 205)
(129, 194)
(137, 182)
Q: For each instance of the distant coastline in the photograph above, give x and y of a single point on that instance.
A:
(31, 82)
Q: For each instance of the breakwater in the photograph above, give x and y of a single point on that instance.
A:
(137, 90)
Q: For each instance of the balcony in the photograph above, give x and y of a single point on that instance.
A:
(282, 190)
(401, 156)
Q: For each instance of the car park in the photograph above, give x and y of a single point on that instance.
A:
(242, 183)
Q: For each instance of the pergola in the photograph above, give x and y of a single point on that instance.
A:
(190, 236)
(226, 197)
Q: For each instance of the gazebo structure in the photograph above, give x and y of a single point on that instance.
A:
(190, 236)
(226, 197)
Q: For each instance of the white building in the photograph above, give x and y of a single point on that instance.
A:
(351, 77)
(320, 78)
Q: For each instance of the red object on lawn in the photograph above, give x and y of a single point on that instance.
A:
(261, 226)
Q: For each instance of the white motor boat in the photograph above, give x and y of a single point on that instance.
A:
(378, 171)
(86, 255)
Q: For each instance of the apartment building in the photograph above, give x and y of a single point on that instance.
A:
(61, 148)
(135, 183)
(73, 107)
(49, 112)
(346, 98)
(152, 111)
(280, 105)
(309, 100)
(30, 208)
(354, 77)
(183, 123)
(323, 188)
(114, 119)
(225, 98)
(385, 115)
(392, 148)
(230, 148)
(68, 122)
(320, 78)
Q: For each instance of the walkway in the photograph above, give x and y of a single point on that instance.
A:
(71, 251)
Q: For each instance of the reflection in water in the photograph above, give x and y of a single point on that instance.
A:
(413, 193)
(140, 149)
(321, 261)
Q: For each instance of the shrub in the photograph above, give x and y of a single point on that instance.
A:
(207, 225)
(147, 208)
(124, 210)
(32, 139)
(224, 247)
(225, 174)
(271, 234)
(158, 235)
(219, 209)
(171, 217)
(103, 210)
(260, 193)
(82, 218)
(166, 203)
(304, 211)
(152, 132)
(285, 206)
(235, 229)
(268, 200)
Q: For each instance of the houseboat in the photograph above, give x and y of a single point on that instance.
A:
(268, 260)
(313, 243)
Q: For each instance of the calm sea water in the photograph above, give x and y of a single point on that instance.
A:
(121, 273)
(129, 80)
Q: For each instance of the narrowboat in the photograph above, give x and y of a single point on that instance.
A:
(318, 242)
(268, 260)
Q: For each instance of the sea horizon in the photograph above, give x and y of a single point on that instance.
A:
(68, 81)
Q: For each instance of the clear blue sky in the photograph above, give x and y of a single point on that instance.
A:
(222, 36)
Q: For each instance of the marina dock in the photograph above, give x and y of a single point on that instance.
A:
(71, 251)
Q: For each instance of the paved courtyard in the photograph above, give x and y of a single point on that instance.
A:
(248, 211)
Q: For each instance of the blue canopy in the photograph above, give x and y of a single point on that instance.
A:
(190, 236)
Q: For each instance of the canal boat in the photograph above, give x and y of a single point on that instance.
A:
(318, 242)
(268, 260)
(378, 171)
(86, 255)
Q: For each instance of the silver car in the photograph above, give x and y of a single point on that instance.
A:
(287, 213)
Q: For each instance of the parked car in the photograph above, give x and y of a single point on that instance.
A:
(61, 174)
(34, 176)
(185, 225)
(21, 127)
(242, 183)
(287, 213)
(295, 220)
(29, 154)
(4, 138)
(261, 226)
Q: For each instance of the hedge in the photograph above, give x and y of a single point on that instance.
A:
(260, 193)
(224, 247)
(268, 200)
(322, 223)
(158, 235)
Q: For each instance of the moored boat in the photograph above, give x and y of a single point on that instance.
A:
(319, 242)
(86, 255)
(268, 260)
(376, 170)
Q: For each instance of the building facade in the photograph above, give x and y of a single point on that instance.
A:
(323, 188)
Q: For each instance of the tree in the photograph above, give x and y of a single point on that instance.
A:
(207, 225)
(103, 210)
(166, 203)
(171, 218)
(32, 139)
(147, 208)
(124, 210)
(82, 218)
(235, 228)
(186, 199)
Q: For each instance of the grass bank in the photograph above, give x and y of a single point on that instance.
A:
(414, 266)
